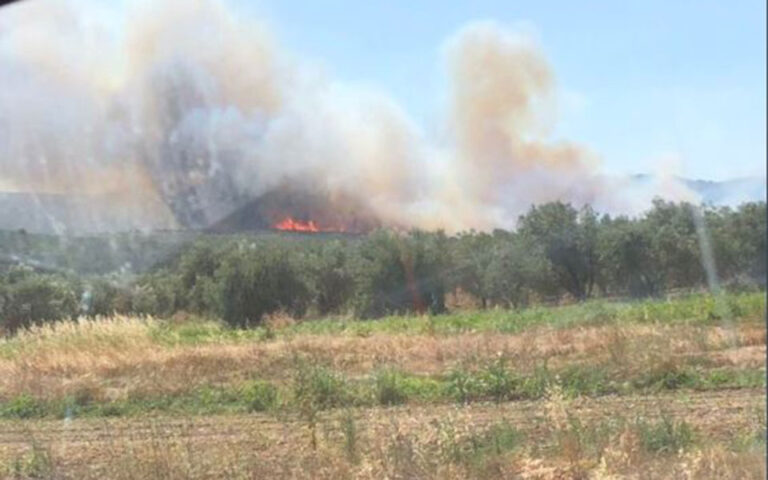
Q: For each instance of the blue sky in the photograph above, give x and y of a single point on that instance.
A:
(640, 82)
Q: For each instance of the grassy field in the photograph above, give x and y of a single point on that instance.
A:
(654, 389)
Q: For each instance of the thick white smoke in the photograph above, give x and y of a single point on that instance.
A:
(183, 111)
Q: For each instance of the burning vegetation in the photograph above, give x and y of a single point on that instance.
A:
(291, 209)
(290, 224)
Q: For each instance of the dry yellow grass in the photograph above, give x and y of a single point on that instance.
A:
(111, 358)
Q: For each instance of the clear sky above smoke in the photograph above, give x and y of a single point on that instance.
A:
(641, 82)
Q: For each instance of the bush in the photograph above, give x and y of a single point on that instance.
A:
(665, 436)
(259, 396)
(100, 298)
(390, 388)
(463, 386)
(317, 388)
(23, 406)
(27, 298)
(498, 439)
(256, 281)
(333, 280)
(499, 384)
(157, 294)
(196, 272)
(401, 274)
(35, 462)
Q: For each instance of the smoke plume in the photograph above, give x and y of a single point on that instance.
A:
(178, 114)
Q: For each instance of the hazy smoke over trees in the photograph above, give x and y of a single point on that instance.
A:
(176, 114)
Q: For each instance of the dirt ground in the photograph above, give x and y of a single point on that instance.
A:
(81, 447)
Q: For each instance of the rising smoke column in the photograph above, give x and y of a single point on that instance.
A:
(185, 111)
(232, 117)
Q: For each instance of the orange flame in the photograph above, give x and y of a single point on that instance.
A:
(291, 225)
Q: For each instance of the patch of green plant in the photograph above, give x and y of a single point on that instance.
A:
(498, 381)
(33, 463)
(201, 332)
(315, 388)
(23, 406)
(665, 436)
(500, 438)
(693, 309)
(478, 448)
(349, 429)
(675, 377)
(463, 386)
(731, 378)
(669, 376)
(749, 442)
(591, 381)
(321, 388)
(578, 439)
(389, 387)
(259, 396)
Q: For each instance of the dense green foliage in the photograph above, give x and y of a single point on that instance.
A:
(27, 298)
(557, 251)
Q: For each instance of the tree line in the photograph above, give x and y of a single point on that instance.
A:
(557, 251)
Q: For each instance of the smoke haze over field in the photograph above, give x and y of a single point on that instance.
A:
(188, 112)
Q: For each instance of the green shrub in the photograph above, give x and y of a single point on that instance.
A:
(668, 376)
(498, 382)
(665, 436)
(157, 294)
(586, 380)
(27, 298)
(22, 406)
(476, 448)
(535, 385)
(463, 386)
(390, 388)
(400, 274)
(319, 388)
(259, 396)
(332, 278)
(34, 463)
(256, 281)
(349, 429)
(99, 298)
(498, 439)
